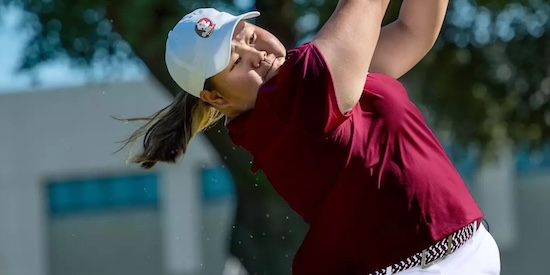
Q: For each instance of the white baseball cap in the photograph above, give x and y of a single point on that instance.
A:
(199, 46)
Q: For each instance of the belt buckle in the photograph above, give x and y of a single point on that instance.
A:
(423, 262)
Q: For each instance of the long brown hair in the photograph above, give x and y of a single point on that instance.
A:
(168, 131)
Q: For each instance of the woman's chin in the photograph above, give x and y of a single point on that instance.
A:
(274, 70)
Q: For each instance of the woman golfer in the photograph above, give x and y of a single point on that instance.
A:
(334, 132)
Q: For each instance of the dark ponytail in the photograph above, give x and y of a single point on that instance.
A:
(168, 132)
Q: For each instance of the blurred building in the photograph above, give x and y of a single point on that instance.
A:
(513, 190)
(70, 205)
(523, 235)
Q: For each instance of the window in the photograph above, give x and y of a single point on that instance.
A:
(97, 194)
(533, 161)
(217, 183)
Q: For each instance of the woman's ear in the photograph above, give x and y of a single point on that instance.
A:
(214, 98)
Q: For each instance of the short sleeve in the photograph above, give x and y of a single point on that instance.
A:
(302, 94)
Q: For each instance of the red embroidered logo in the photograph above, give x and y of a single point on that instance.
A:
(204, 27)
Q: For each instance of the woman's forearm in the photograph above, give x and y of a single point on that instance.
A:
(423, 18)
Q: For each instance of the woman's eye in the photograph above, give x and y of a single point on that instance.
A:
(237, 62)
(252, 39)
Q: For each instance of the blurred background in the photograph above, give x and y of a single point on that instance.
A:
(70, 205)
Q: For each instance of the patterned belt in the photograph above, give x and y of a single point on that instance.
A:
(435, 252)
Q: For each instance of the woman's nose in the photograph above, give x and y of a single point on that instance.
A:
(256, 57)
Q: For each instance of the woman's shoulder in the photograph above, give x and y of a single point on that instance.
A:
(383, 84)
(300, 48)
(303, 50)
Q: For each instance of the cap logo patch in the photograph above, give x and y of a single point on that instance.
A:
(204, 27)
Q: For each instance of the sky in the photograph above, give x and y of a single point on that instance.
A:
(54, 74)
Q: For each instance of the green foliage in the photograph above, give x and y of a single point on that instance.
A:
(489, 75)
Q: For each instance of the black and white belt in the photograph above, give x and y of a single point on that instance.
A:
(435, 252)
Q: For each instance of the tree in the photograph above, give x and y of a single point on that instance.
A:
(497, 59)
(488, 76)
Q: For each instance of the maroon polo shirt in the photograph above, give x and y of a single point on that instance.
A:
(375, 185)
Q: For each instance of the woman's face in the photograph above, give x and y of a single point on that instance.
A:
(256, 56)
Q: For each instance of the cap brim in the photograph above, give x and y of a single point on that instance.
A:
(229, 37)
(249, 15)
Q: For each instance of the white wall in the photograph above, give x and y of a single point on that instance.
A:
(530, 253)
(69, 131)
(496, 183)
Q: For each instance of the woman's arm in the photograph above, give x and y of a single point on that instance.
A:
(347, 41)
(404, 42)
